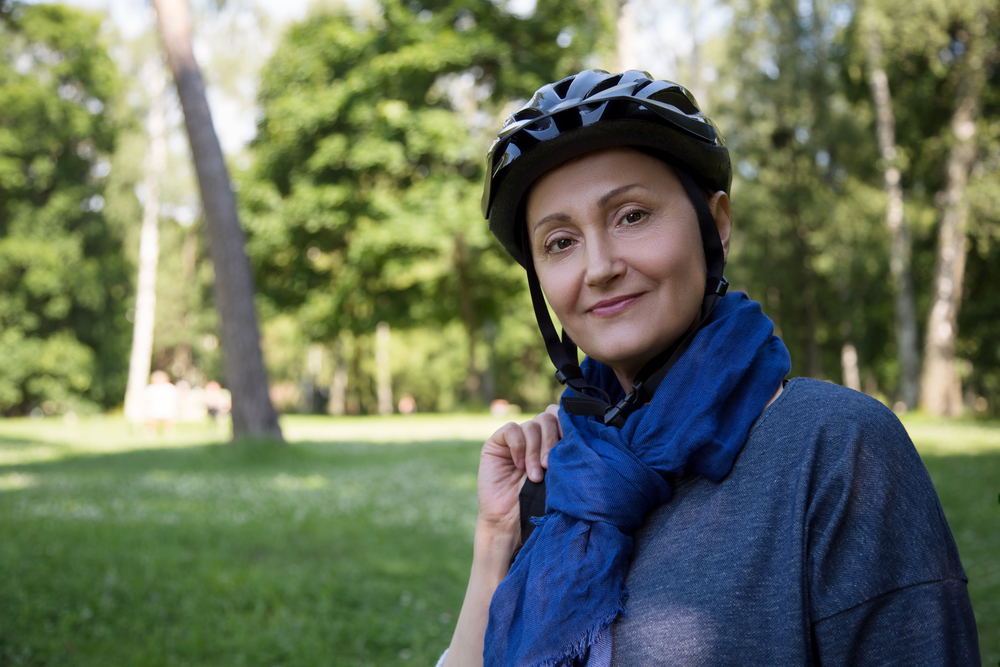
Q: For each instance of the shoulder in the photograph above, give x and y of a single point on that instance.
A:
(872, 520)
(808, 401)
(844, 441)
(829, 422)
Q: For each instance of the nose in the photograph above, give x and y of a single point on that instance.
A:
(603, 261)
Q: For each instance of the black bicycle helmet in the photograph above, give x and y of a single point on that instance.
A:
(586, 112)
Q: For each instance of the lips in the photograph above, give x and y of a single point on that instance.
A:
(613, 306)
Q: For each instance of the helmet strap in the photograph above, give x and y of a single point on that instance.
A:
(562, 352)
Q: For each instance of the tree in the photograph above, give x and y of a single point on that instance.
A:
(252, 412)
(807, 241)
(149, 242)
(363, 203)
(900, 248)
(941, 391)
(64, 278)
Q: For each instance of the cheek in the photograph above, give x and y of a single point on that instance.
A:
(677, 268)
(559, 287)
(671, 258)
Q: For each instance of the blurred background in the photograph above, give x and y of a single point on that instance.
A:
(865, 138)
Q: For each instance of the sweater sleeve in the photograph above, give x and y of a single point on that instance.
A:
(928, 624)
(886, 584)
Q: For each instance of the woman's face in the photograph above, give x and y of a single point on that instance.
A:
(618, 253)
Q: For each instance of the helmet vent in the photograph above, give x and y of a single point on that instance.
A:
(609, 82)
(525, 114)
(676, 99)
(539, 125)
(639, 85)
(562, 87)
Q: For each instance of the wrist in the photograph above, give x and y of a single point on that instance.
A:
(496, 541)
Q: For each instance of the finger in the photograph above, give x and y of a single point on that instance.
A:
(550, 435)
(514, 439)
(554, 411)
(533, 445)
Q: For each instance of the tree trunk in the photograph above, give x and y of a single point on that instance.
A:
(338, 388)
(810, 309)
(149, 244)
(472, 379)
(899, 259)
(940, 387)
(488, 390)
(252, 412)
(849, 364)
(383, 372)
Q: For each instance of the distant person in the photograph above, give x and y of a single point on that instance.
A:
(161, 404)
(692, 506)
(218, 401)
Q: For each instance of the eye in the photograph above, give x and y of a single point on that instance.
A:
(558, 245)
(633, 217)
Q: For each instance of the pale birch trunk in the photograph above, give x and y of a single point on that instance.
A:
(941, 390)
(849, 364)
(383, 372)
(252, 411)
(140, 358)
(900, 248)
(627, 31)
(338, 388)
(940, 386)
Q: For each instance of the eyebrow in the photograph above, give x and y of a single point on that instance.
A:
(617, 191)
(562, 217)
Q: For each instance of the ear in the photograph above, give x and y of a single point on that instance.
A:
(718, 204)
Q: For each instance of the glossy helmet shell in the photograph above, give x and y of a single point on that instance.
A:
(590, 111)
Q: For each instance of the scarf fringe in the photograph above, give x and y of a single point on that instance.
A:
(580, 647)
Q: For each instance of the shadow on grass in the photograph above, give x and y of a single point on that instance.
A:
(244, 455)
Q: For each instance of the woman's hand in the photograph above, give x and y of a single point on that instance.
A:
(511, 454)
(514, 452)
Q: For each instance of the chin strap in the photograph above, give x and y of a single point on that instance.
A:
(563, 352)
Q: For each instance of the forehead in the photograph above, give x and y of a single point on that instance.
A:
(608, 167)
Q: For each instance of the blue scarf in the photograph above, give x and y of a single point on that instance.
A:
(567, 585)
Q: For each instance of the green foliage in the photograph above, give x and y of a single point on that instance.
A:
(363, 203)
(63, 277)
(130, 551)
(810, 236)
(810, 240)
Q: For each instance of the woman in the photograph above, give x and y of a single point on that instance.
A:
(698, 511)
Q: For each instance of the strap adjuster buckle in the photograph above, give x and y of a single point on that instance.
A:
(716, 286)
(569, 372)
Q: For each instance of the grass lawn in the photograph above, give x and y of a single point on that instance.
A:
(349, 547)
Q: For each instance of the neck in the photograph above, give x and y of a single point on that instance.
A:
(625, 379)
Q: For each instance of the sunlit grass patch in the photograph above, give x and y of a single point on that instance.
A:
(963, 459)
(397, 428)
(940, 437)
(16, 480)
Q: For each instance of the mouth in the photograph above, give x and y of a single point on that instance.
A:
(613, 306)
